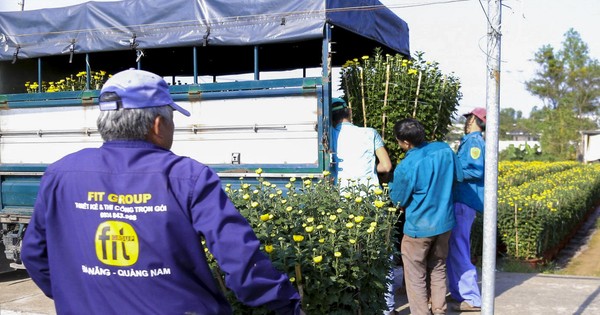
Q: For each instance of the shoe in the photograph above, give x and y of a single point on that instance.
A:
(450, 299)
(465, 307)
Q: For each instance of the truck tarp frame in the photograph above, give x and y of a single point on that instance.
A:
(145, 24)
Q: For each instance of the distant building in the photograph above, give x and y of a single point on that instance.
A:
(589, 149)
(521, 135)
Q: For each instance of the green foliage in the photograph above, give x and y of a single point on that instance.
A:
(523, 152)
(382, 90)
(335, 246)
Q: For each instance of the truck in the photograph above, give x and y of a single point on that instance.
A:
(255, 75)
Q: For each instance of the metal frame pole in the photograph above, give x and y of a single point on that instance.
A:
(491, 157)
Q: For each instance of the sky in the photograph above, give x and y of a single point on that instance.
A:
(454, 34)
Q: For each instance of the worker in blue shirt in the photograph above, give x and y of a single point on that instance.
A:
(422, 185)
(120, 229)
(462, 274)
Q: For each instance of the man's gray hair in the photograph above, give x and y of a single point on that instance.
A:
(130, 124)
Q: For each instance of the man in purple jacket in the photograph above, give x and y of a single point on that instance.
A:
(119, 229)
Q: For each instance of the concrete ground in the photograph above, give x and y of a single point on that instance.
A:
(516, 293)
(531, 293)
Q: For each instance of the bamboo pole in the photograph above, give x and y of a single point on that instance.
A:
(417, 94)
(299, 281)
(516, 232)
(362, 91)
(385, 96)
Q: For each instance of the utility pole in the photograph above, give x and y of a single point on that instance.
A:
(490, 211)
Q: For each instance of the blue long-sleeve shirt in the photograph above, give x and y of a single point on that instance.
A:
(422, 185)
(471, 154)
(117, 230)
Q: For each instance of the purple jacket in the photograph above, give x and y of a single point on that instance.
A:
(118, 230)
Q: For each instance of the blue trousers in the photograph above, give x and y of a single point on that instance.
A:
(462, 274)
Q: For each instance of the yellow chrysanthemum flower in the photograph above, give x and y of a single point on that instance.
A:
(269, 248)
(298, 238)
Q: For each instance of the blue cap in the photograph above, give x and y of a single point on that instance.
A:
(338, 103)
(136, 89)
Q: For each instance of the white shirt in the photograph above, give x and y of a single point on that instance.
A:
(354, 154)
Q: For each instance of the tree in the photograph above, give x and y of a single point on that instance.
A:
(568, 77)
(568, 81)
(509, 121)
(549, 83)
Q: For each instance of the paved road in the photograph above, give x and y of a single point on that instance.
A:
(516, 294)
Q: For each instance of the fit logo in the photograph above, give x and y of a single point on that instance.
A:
(117, 243)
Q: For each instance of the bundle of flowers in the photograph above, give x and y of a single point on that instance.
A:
(382, 89)
(335, 246)
(74, 82)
